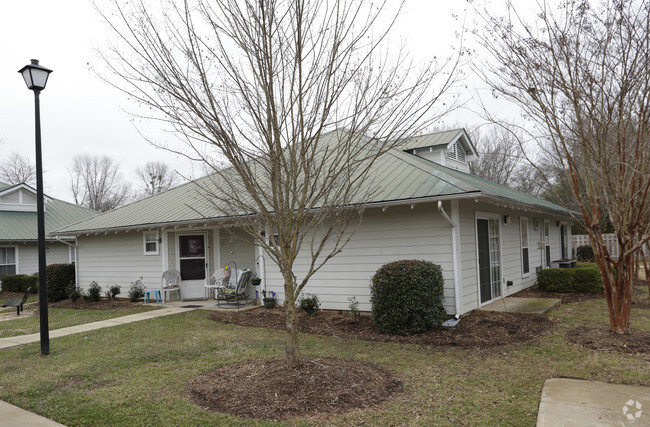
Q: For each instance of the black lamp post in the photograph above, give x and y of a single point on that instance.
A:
(36, 78)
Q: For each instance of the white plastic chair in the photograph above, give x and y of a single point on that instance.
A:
(171, 282)
(211, 283)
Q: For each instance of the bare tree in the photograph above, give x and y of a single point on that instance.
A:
(289, 103)
(156, 177)
(97, 183)
(501, 160)
(581, 75)
(17, 170)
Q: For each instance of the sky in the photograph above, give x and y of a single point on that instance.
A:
(82, 114)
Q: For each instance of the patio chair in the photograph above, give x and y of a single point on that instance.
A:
(18, 303)
(238, 293)
(171, 282)
(219, 278)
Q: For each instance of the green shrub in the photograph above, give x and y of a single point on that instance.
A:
(60, 280)
(310, 304)
(354, 312)
(585, 254)
(570, 280)
(76, 293)
(94, 292)
(407, 297)
(136, 291)
(19, 283)
(112, 292)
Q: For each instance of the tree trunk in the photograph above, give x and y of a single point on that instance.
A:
(291, 349)
(646, 269)
(617, 285)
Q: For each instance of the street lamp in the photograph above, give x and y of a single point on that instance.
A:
(36, 78)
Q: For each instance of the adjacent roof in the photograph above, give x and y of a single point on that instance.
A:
(440, 139)
(22, 226)
(397, 177)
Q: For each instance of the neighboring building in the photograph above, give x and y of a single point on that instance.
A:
(19, 229)
(490, 240)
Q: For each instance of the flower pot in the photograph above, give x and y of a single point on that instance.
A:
(255, 281)
(269, 302)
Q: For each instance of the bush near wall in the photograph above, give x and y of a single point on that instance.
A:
(585, 254)
(586, 279)
(407, 297)
(60, 279)
(19, 283)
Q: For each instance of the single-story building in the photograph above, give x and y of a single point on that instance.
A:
(489, 239)
(19, 229)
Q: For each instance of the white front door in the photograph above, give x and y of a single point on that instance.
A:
(193, 262)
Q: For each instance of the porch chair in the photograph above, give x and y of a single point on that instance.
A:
(171, 282)
(218, 279)
(238, 293)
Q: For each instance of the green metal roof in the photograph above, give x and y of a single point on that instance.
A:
(22, 226)
(396, 177)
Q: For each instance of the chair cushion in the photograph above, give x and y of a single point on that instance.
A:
(170, 287)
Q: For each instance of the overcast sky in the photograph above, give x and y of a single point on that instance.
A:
(81, 114)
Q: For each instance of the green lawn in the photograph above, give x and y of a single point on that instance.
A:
(58, 318)
(135, 374)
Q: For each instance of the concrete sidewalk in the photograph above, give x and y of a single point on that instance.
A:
(11, 415)
(567, 402)
(27, 339)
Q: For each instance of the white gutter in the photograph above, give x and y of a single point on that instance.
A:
(454, 249)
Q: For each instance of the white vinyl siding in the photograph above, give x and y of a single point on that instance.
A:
(57, 253)
(510, 246)
(116, 259)
(396, 234)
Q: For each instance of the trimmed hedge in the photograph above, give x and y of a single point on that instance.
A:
(407, 297)
(585, 254)
(60, 281)
(585, 279)
(19, 283)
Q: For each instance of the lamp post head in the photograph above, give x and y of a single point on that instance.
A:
(35, 75)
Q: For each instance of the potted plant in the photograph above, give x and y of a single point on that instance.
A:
(269, 302)
(255, 281)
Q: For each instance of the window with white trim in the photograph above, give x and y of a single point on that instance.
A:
(7, 261)
(150, 242)
(72, 253)
(525, 259)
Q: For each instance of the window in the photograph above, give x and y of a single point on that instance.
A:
(72, 254)
(7, 261)
(525, 260)
(151, 243)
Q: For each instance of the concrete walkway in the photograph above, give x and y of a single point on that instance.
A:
(567, 402)
(27, 339)
(11, 415)
(523, 305)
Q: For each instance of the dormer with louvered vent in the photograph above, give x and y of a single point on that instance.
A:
(18, 198)
(452, 148)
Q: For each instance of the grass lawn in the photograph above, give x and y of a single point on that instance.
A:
(57, 318)
(135, 374)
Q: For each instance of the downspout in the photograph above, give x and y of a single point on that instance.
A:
(454, 248)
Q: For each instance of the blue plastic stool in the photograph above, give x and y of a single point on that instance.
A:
(152, 291)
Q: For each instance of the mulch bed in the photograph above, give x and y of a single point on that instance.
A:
(636, 342)
(268, 389)
(102, 304)
(566, 297)
(479, 329)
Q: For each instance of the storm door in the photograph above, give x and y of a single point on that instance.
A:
(489, 258)
(192, 259)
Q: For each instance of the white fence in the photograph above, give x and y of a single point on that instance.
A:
(610, 241)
